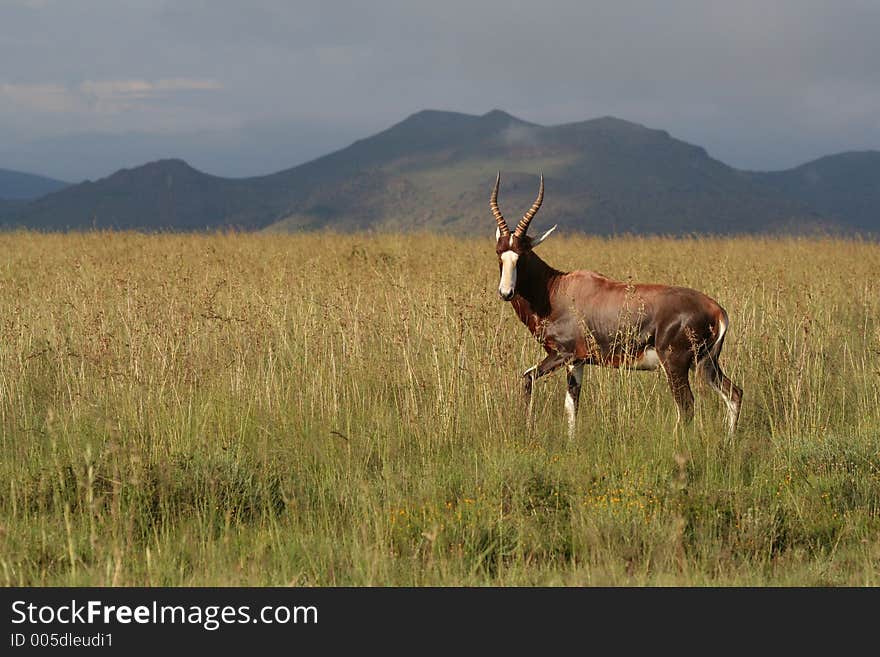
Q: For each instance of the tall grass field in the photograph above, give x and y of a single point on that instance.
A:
(324, 409)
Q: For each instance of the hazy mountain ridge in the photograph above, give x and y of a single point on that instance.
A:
(844, 187)
(17, 185)
(436, 169)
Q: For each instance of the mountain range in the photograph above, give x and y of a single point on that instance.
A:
(436, 169)
(16, 185)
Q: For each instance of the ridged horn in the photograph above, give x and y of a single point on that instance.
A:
(493, 203)
(523, 224)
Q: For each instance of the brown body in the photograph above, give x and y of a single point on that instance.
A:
(583, 317)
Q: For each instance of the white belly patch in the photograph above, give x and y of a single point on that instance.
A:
(649, 360)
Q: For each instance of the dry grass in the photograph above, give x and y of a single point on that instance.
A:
(322, 409)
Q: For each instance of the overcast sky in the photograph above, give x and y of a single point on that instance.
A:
(250, 87)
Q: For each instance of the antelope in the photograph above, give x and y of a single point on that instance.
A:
(583, 317)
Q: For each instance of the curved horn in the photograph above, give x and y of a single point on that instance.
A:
(493, 203)
(523, 224)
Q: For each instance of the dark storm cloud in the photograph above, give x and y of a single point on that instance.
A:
(759, 84)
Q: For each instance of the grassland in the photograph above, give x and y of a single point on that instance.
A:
(344, 410)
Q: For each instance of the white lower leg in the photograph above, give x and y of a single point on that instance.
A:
(732, 409)
(571, 412)
(531, 374)
(732, 414)
(575, 372)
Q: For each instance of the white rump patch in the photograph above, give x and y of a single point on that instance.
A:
(649, 360)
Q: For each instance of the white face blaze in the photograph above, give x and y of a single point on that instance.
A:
(507, 285)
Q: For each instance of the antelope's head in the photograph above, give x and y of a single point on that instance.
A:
(511, 247)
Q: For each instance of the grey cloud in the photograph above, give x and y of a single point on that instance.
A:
(761, 85)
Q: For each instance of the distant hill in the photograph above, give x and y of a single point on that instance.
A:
(15, 185)
(162, 195)
(845, 188)
(436, 169)
(8, 207)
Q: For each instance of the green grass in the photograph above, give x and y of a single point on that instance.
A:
(344, 410)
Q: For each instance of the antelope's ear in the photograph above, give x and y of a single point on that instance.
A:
(537, 241)
(497, 233)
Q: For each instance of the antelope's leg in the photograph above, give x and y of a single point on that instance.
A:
(572, 395)
(710, 371)
(549, 364)
(677, 377)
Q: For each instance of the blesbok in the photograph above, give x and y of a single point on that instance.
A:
(583, 317)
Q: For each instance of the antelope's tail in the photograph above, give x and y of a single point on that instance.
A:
(707, 358)
(721, 330)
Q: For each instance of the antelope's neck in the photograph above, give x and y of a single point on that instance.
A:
(535, 282)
